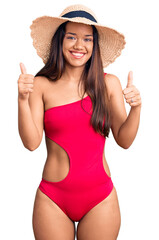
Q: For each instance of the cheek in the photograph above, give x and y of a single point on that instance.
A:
(65, 48)
(67, 44)
(90, 48)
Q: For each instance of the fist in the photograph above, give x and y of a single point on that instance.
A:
(25, 83)
(131, 93)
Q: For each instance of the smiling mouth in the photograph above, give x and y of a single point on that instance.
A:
(77, 54)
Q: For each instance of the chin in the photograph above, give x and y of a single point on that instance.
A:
(73, 64)
(76, 63)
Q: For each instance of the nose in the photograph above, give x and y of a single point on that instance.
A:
(78, 44)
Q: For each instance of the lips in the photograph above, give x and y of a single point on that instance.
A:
(77, 54)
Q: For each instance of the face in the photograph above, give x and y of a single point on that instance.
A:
(77, 44)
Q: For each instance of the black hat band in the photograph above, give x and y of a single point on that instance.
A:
(83, 14)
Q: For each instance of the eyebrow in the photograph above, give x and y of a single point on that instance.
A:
(87, 35)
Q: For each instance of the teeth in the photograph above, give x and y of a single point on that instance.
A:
(78, 54)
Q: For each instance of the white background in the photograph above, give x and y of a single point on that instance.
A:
(134, 171)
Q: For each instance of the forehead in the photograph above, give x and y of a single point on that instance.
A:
(79, 28)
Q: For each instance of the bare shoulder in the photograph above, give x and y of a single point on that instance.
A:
(112, 83)
(40, 82)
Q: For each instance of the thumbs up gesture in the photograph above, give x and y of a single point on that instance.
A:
(131, 93)
(25, 83)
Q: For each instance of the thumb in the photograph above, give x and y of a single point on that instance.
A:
(23, 69)
(130, 79)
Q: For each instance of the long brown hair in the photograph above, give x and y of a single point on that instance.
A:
(92, 78)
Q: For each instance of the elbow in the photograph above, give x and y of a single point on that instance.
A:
(31, 147)
(125, 145)
(31, 144)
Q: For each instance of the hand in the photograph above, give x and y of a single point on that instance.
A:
(131, 93)
(25, 83)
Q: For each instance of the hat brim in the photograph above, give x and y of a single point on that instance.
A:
(111, 42)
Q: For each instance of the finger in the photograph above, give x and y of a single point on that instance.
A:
(28, 85)
(25, 80)
(128, 90)
(130, 79)
(28, 78)
(22, 68)
(26, 90)
(134, 100)
(130, 95)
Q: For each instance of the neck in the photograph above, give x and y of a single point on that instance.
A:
(72, 74)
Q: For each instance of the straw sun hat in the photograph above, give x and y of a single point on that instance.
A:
(111, 42)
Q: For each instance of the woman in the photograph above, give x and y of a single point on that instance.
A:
(76, 104)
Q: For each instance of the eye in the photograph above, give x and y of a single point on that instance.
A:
(87, 39)
(70, 37)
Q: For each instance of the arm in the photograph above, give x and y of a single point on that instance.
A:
(124, 128)
(30, 114)
(129, 128)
